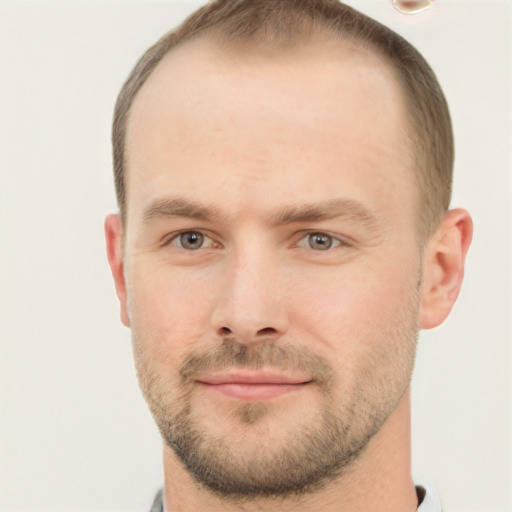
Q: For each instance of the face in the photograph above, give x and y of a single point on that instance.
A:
(271, 261)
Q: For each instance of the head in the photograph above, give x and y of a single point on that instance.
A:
(283, 172)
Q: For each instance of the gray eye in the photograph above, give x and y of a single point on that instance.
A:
(320, 241)
(191, 240)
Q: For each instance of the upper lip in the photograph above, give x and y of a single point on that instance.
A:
(247, 376)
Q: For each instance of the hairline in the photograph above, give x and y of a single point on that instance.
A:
(410, 133)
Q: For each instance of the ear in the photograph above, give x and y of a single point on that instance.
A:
(443, 267)
(114, 241)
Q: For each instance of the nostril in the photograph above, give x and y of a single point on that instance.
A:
(267, 331)
(224, 331)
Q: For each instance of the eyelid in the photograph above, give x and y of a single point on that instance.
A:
(171, 237)
(338, 241)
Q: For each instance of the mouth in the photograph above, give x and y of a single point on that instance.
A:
(249, 385)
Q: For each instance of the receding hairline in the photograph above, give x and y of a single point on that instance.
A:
(333, 48)
(285, 24)
(244, 51)
(323, 39)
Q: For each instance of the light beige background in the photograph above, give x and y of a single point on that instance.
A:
(75, 435)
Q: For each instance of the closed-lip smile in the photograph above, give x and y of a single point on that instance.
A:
(246, 384)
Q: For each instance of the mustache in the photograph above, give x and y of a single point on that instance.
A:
(233, 354)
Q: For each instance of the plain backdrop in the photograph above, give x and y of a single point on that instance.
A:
(75, 434)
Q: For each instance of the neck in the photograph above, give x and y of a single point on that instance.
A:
(380, 480)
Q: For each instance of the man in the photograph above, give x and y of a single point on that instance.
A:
(283, 171)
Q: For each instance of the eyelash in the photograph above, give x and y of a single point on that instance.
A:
(333, 241)
(177, 237)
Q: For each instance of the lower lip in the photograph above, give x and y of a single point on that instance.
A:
(255, 391)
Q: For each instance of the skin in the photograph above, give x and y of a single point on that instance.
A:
(274, 147)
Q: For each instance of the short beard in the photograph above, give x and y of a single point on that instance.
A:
(309, 461)
(315, 452)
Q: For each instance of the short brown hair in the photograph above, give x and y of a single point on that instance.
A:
(294, 21)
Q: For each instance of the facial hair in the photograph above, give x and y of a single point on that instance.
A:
(320, 446)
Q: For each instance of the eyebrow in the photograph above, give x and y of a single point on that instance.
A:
(180, 207)
(349, 209)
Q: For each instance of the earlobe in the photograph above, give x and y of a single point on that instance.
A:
(114, 242)
(443, 267)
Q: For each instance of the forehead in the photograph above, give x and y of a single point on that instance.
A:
(312, 78)
(318, 120)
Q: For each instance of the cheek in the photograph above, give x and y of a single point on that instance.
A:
(171, 308)
(355, 305)
(366, 328)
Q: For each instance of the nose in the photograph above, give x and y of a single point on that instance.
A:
(250, 305)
